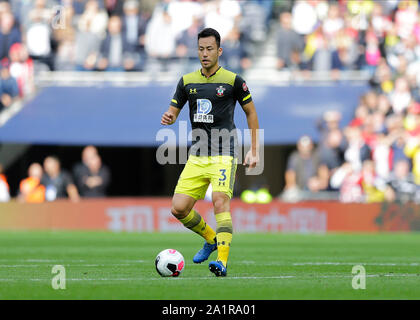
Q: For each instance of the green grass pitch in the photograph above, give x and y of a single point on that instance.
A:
(105, 265)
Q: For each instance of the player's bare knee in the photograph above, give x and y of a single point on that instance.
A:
(221, 204)
(178, 212)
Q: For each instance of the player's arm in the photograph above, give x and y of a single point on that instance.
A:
(177, 102)
(170, 116)
(252, 157)
(245, 100)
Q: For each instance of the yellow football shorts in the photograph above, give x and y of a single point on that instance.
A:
(200, 171)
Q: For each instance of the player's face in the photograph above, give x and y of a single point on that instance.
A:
(208, 52)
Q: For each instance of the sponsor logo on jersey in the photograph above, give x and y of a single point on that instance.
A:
(244, 86)
(193, 91)
(204, 107)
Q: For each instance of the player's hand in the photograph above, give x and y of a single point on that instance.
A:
(167, 118)
(251, 160)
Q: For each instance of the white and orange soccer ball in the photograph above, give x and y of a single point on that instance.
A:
(169, 263)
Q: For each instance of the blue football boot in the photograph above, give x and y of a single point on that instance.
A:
(218, 268)
(205, 252)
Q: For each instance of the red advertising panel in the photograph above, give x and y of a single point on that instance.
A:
(153, 214)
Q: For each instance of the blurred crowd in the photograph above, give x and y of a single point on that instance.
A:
(129, 35)
(89, 178)
(153, 35)
(375, 157)
(339, 35)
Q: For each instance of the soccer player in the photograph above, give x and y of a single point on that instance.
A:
(212, 93)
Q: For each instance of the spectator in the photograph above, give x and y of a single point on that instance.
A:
(186, 47)
(114, 7)
(38, 34)
(371, 101)
(289, 43)
(331, 150)
(234, 54)
(330, 121)
(372, 52)
(58, 183)
(396, 137)
(254, 22)
(411, 150)
(31, 189)
(382, 156)
(22, 69)
(304, 17)
(373, 185)
(400, 185)
(360, 115)
(65, 37)
(401, 96)
(91, 30)
(91, 176)
(346, 53)
(4, 186)
(8, 88)
(357, 150)
(333, 22)
(222, 15)
(381, 80)
(88, 153)
(183, 13)
(322, 59)
(134, 29)
(302, 165)
(360, 10)
(381, 23)
(79, 6)
(160, 38)
(383, 105)
(358, 186)
(94, 178)
(406, 18)
(9, 34)
(115, 53)
(348, 182)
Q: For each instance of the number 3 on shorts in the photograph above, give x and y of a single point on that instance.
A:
(223, 171)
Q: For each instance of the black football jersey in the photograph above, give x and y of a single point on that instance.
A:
(212, 104)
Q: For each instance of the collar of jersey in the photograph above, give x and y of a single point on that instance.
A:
(214, 73)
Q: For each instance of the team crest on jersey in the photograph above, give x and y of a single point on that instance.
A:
(220, 91)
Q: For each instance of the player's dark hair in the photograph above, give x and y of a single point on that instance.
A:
(210, 32)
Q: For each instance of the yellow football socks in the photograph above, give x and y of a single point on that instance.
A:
(224, 236)
(196, 223)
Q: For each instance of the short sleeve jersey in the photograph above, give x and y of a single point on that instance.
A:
(212, 104)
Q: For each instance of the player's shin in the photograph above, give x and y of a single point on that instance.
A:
(195, 222)
(224, 236)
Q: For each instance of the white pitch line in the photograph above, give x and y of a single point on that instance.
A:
(385, 264)
(414, 264)
(65, 264)
(227, 278)
(65, 261)
(20, 266)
